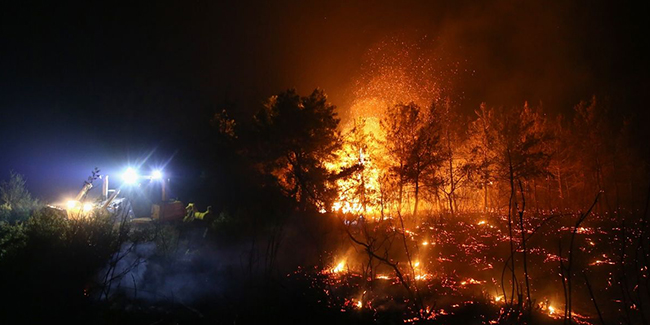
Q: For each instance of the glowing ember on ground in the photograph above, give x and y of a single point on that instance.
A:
(466, 261)
(471, 281)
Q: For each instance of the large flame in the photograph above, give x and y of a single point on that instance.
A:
(358, 190)
(396, 71)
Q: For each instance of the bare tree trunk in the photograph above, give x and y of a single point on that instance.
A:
(417, 197)
(535, 196)
(410, 260)
(593, 298)
(568, 196)
(401, 188)
(406, 283)
(564, 282)
(523, 245)
(510, 237)
(599, 182)
(451, 180)
(485, 198)
(559, 187)
(567, 273)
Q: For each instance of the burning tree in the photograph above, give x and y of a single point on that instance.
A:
(412, 141)
(482, 151)
(357, 180)
(561, 167)
(455, 170)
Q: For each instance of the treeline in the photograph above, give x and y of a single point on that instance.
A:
(502, 156)
(434, 158)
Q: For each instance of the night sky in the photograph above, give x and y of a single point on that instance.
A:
(100, 84)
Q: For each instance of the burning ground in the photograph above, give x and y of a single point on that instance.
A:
(457, 272)
(411, 214)
(410, 204)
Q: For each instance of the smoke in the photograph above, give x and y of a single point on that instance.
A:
(190, 263)
(146, 272)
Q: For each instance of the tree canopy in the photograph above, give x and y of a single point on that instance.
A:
(295, 136)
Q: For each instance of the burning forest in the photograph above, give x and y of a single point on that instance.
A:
(441, 215)
(466, 168)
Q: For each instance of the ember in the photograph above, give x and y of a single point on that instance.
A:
(455, 169)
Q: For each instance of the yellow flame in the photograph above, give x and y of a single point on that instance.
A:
(339, 267)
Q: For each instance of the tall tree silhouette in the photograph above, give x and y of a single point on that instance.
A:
(295, 136)
(413, 144)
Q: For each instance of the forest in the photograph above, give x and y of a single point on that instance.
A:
(411, 213)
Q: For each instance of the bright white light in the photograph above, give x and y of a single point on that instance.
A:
(156, 174)
(130, 176)
(71, 204)
(87, 207)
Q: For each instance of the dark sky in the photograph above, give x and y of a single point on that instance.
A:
(100, 84)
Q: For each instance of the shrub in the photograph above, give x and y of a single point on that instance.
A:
(16, 203)
(48, 264)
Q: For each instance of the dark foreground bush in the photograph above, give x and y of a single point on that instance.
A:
(16, 203)
(48, 263)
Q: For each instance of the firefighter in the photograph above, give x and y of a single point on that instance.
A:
(191, 213)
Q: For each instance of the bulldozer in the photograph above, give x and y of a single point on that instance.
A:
(121, 207)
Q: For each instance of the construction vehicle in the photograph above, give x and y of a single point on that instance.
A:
(121, 207)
